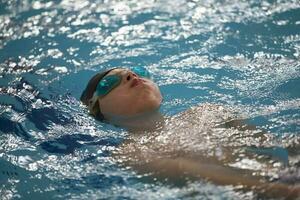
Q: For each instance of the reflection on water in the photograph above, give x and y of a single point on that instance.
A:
(244, 55)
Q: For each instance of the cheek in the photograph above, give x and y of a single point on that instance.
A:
(117, 102)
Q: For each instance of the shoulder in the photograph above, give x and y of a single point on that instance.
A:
(207, 113)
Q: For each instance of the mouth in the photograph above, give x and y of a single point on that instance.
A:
(136, 82)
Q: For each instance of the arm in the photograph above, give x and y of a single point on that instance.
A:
(181, 168)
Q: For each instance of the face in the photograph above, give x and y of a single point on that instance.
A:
(134, 95)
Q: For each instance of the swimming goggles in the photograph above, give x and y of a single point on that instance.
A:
(109, 82)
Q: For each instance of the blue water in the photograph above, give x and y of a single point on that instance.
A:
(244, 54)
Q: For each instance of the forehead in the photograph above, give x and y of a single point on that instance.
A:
(117, 71)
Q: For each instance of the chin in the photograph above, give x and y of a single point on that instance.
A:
(149, 103)
(150, 91)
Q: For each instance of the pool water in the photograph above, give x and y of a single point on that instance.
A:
(243, 54)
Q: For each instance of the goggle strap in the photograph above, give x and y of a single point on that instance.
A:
(94, 108)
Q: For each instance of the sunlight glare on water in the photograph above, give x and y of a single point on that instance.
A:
(242, 54)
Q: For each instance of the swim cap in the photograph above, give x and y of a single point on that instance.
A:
(88, 94)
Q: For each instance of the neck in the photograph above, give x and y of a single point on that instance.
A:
(150, 121)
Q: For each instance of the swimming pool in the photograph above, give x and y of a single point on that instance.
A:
(244, 54)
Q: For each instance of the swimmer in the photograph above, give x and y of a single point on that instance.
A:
(204, 142)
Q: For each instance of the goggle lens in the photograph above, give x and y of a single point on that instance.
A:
(107, 84)
(142, 72)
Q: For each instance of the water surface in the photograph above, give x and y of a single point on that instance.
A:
(243, 54)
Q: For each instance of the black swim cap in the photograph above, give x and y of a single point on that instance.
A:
(87, 95)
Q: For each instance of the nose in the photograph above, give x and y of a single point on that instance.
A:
(130, 75)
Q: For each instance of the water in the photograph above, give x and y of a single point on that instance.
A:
(243, 54)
